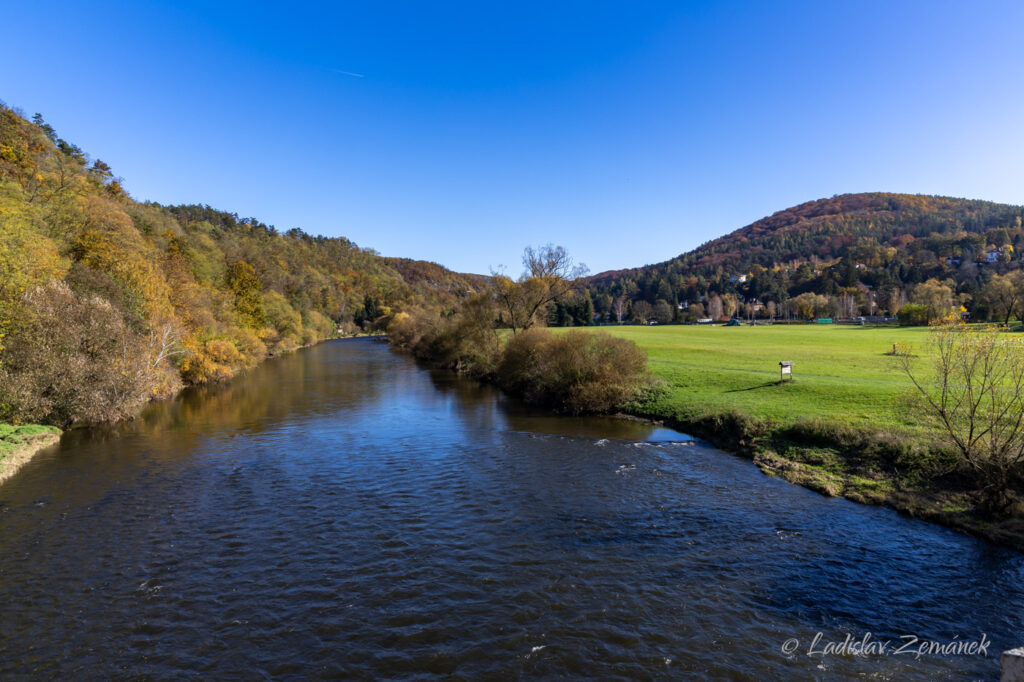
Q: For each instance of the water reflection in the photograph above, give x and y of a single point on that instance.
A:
(343, 512)
(483, 405)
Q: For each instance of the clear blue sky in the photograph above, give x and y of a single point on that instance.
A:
(460, 132)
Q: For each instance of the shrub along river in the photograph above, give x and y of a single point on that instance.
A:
(343, 512)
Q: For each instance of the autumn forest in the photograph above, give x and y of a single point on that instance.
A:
(107, 302)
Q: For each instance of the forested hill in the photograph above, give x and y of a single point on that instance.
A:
(106, 301)
(869, 246)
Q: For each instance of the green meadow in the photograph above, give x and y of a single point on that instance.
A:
(844, 373)
(844, 426)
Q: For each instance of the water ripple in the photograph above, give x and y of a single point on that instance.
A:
(343, 513)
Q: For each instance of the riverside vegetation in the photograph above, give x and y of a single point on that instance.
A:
(19, 443)
(107, 302)
(576, 372)
(851, 424)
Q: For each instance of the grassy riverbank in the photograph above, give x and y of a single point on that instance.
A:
(19, 443)
(841, 427)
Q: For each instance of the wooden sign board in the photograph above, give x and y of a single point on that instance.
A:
(785, 369)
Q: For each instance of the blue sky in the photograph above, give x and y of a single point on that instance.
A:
(461, 132)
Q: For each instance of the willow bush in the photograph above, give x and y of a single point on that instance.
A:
(974, 394)
(72, 358)
(577, 372)
(464, 340)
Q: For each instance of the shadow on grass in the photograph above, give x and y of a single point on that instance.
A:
(754, 388)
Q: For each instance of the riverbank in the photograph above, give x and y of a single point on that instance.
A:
(18, 444)
(286, 477)
(851, 463)
(841, 427)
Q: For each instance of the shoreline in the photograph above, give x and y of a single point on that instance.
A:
(836, 475)
(21, 445)
(943, 505)
(912, 474)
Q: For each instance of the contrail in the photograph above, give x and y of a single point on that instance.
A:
(349, 73)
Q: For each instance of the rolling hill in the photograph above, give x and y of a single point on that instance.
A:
(868, 242)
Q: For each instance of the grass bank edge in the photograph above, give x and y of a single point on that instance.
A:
(19, 443)
(899, 470)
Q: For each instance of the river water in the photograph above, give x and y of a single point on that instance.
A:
(341, 512)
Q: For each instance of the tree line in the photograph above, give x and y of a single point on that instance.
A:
(498, 335)
(107, 302)
(853, 255)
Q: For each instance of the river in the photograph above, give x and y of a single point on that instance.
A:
(342, 512)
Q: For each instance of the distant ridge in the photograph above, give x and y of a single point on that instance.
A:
(787, 234)
(859, 243)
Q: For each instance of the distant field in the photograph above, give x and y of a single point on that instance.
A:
(840, 372)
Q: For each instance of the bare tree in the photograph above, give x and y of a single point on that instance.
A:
(642, 311)
(619, 305)
(550, 275)
(163, 345)
(1003, 294)
(975, 394)
(847, 304)
(715, 308)
(892, 300)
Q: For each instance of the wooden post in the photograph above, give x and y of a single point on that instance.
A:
(785, 369)
(1012, 663)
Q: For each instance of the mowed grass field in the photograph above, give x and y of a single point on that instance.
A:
(839, 372)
